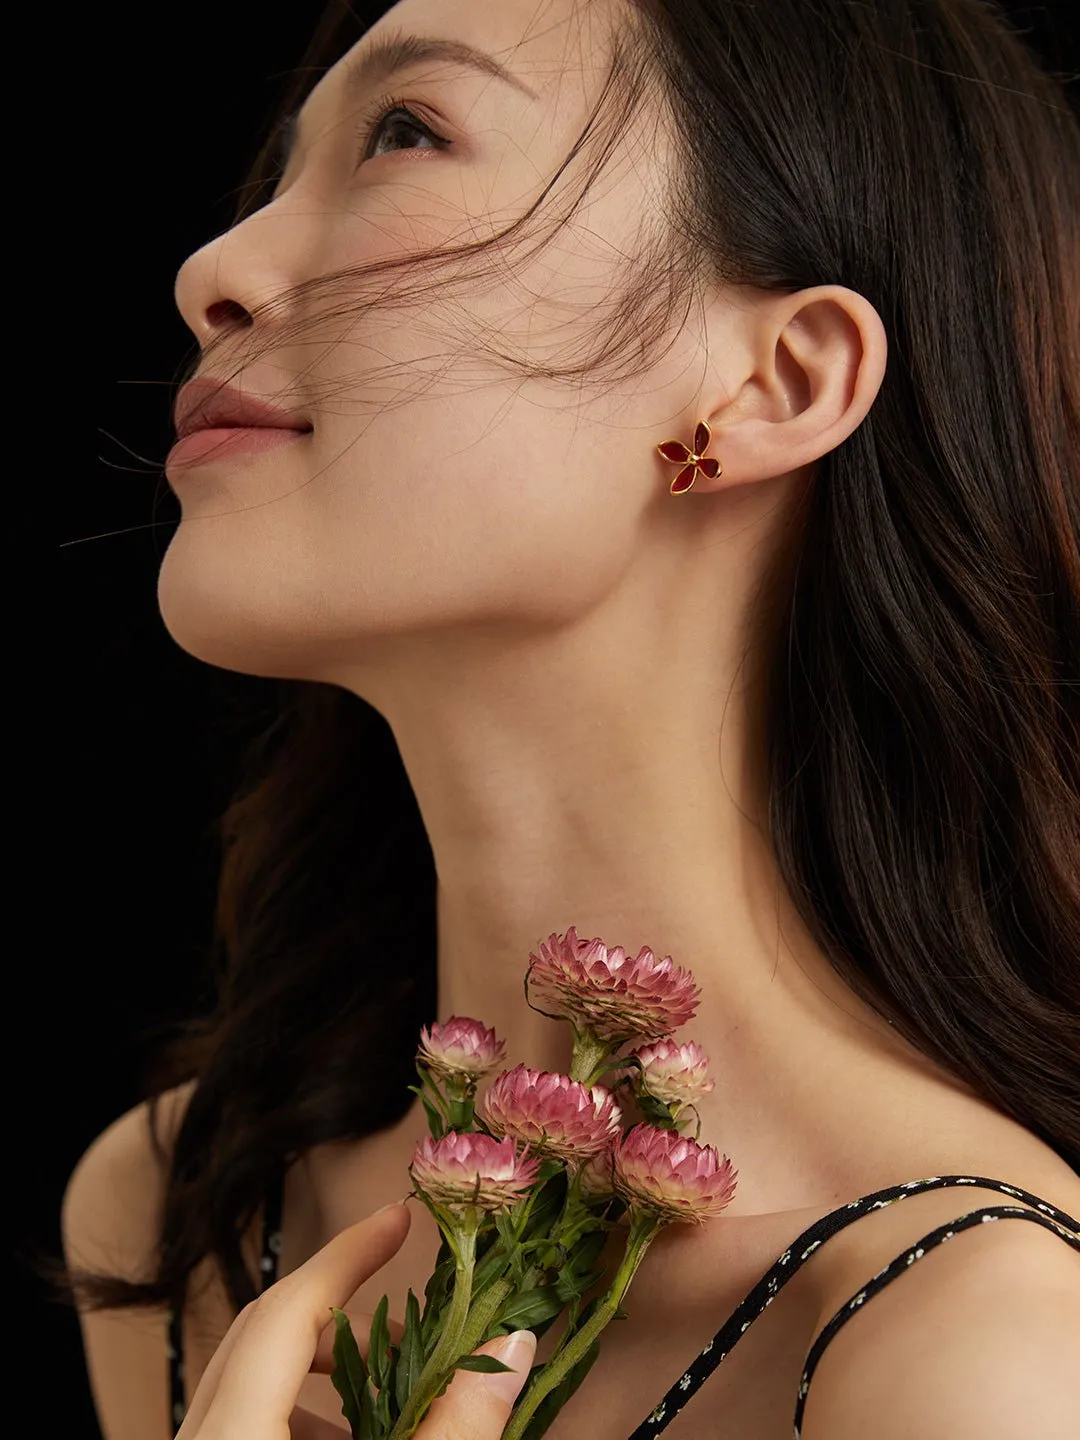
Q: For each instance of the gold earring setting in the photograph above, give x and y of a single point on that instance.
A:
(692, 461)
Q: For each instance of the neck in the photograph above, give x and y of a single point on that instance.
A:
(628, 804)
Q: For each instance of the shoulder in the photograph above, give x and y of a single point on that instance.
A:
(111, 1206)
(110, 1223)
(978, 1337)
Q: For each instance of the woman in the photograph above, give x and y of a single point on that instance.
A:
(803, 718)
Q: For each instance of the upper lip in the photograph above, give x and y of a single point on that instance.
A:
(209, 405)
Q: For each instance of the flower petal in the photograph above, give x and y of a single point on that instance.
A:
(675, 451)
(551, 1112)
(460, 1047)
(467, 1169)
(672, 1177)
(606, 992)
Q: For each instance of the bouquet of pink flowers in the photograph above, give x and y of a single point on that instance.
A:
(527, 1187)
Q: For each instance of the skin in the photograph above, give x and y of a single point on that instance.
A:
(251, 1385)
(565, 652)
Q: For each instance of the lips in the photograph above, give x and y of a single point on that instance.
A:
(210, 405)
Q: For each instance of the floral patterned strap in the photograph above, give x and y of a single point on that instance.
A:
(797, 1254)
(900, 1266)
(174, 1351)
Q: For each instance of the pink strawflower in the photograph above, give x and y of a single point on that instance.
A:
(551, 1113)
(471, 1169)
(671, 1176)
(606, 992)
(674, 1073)
(460, 1047)
(595, 1178)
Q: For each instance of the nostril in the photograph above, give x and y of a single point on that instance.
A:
(228, 313)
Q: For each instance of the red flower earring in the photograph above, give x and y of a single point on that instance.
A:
(692, 460)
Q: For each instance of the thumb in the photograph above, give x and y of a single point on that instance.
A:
(477, 1406)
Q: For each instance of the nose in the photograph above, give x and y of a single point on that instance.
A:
(220, 288)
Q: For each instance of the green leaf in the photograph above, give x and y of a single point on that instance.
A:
(493, 1268)
(378, 1360)
(369, 1426)
(393, 1408)
(571, 1286)
(531, 1307)
(486, 1364)
(504, 1224)
(620, 1062)
(383, 1417)
(554, 1401)
(411, 1360)
(349, 1377)
(436, 1124)
(590, 1247)
(436, 1293)
(547, 1206)
(656, 1112)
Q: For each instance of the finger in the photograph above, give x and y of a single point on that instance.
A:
(272, 1355)
(323, 1363)
(207, 1386)
(475, 1406)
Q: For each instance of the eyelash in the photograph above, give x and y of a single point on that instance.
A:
(372, 120)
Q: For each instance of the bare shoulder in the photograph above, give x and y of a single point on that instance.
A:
(977, 1337)
(109, 1222)
(112, 1201)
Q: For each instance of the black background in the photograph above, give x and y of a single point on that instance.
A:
(142, 759)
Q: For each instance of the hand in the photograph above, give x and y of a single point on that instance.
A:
(251, 1385)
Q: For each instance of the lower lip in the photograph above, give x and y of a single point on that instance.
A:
(203, 446)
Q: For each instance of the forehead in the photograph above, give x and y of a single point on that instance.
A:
(541, 44)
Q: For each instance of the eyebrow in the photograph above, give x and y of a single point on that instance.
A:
(390, 53)
(393, 52)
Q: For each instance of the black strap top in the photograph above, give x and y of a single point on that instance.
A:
(763, 1293)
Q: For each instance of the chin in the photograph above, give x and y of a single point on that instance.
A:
(221, 617)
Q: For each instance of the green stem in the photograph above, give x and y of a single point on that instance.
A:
(588, 1057)
(461, 1113)
(483, 1313)
(571, 1350)
(448, 1349)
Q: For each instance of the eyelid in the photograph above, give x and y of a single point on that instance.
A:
(363, 128)
(372, 116)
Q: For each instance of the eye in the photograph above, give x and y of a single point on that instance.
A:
(391, 119)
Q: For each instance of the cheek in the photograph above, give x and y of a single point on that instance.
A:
(475, 508)
(505, 518)
(437, 490)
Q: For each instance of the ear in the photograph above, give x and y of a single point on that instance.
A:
(799, 373)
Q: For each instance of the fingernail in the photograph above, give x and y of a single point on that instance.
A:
(392, 1206)
(517, 1351)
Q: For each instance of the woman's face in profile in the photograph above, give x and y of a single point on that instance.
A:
(436, 487)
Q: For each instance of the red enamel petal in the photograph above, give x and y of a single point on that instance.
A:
(683, 480)
(702, 436)
(709, 466)
(674, 450)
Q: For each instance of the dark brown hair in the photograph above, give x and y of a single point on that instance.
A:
(922, 686)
